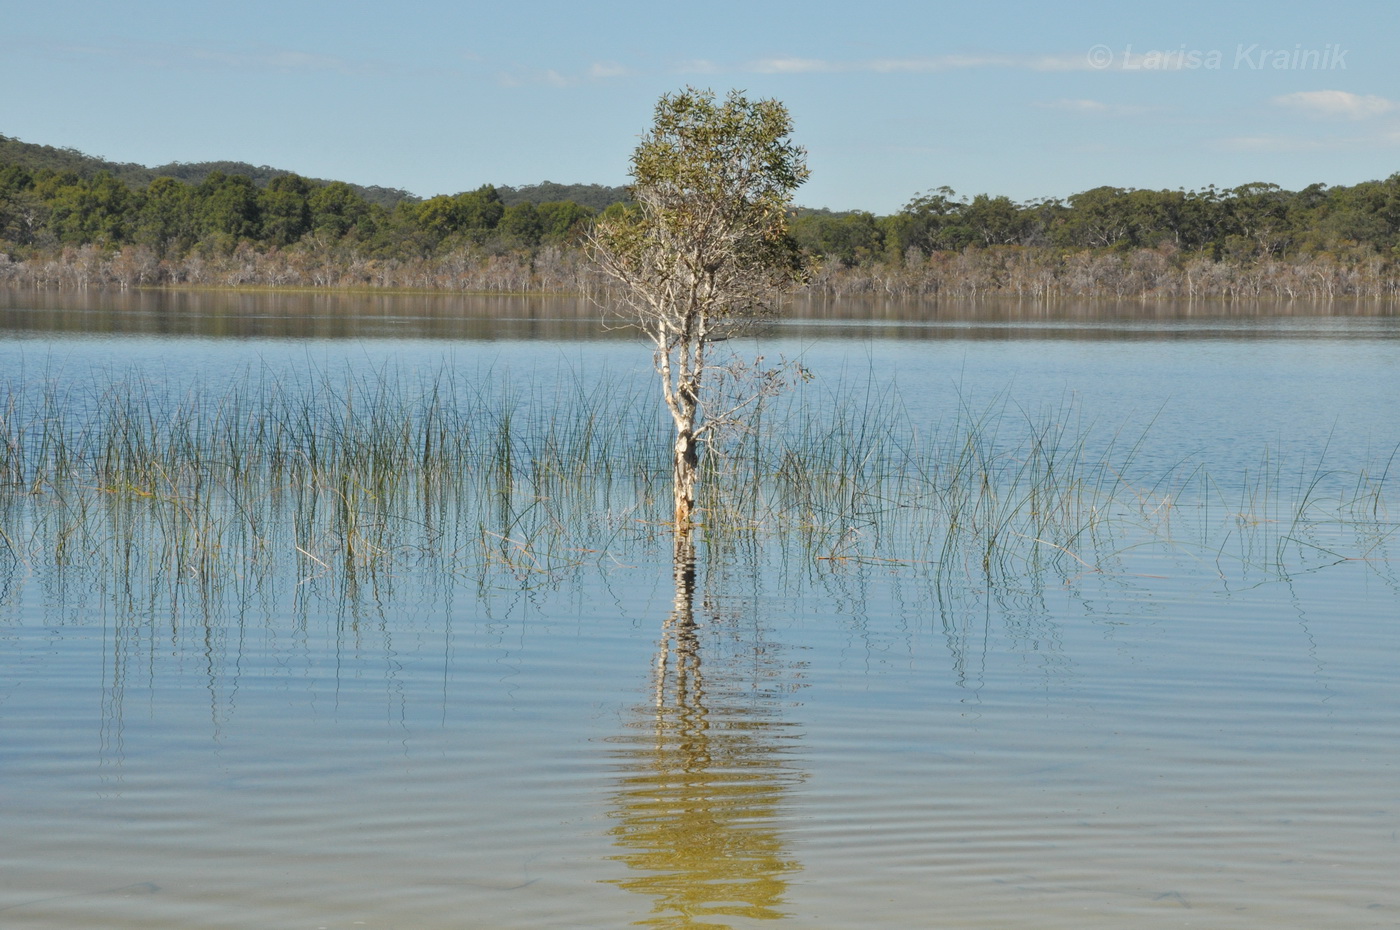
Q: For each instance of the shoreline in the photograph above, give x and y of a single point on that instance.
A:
(1035, 272)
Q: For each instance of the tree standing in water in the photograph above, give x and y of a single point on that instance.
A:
(705, 251)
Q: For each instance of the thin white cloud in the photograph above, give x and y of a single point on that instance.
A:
(928, 65)
(1268, 144)
(598, 71)
(1075, 62)
(286, 61)
(793, 66)
(188, 57)
(698, 66)
(1337, 103)
(1088, 107)
(1364, 143)
(601, 70)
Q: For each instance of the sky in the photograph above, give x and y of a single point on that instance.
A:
(1029, 100)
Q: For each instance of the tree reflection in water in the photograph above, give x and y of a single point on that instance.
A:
(704, 777)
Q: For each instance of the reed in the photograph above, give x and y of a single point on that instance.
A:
(351, 477)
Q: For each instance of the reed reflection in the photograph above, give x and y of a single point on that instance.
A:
(705, 777)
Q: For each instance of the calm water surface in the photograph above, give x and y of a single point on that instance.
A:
(1192, 735)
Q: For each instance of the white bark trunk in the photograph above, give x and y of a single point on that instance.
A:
(685, 477)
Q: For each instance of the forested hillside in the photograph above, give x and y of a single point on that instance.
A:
(70, 220)
(594, 196)
(41, 157)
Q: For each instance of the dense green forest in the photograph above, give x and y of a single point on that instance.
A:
(69, 161)
(67, 219)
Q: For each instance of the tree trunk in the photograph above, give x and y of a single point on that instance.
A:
(686, 474)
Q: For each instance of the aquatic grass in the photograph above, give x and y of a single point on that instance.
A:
(860, 480)
(358, 475)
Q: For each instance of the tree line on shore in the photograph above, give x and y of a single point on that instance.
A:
(70, 221)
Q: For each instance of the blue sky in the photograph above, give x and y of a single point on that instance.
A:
(1024, 99)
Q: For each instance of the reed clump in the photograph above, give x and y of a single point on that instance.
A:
(359, 474)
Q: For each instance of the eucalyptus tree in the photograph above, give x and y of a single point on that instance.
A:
(166, 222)
(227, 209)
(286, 209)
(704, 252)
(337, 210)
(931, 222)
(563, 221)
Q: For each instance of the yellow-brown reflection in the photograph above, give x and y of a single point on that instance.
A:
(704, 782)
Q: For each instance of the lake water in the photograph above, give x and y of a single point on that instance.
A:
(1192, 721)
